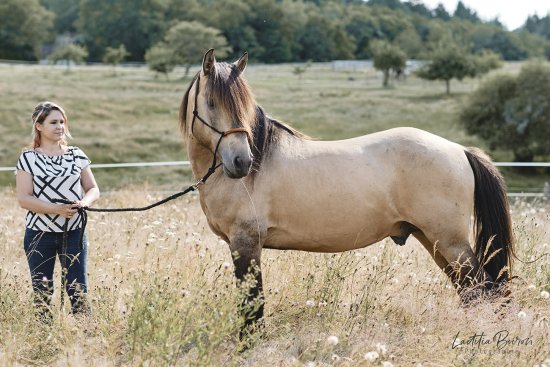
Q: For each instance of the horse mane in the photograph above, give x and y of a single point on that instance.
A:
(266, 133)
(229, 91)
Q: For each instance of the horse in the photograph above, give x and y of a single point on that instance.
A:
(280, 189)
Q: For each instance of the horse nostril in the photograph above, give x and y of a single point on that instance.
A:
(238, 163)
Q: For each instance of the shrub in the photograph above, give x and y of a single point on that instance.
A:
(513, 112)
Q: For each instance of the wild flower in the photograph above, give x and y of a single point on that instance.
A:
(531, 287)
(387, 364)
(522, 314)
(310, 303)
(544, 294)
(371, 356)
(332, 340)
(381, 348)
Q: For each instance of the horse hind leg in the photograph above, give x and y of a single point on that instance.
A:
(469, 278)
(438, 258)
(458, 261)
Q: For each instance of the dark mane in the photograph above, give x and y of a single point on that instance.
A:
(230, 92)
(183, 106)
(266, 132)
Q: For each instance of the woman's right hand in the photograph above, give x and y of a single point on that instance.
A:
(66, 210)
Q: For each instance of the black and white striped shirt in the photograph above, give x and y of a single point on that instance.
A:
(54, 177)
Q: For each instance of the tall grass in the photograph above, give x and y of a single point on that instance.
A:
(164, 294)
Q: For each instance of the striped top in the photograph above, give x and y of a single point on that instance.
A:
(54, 177)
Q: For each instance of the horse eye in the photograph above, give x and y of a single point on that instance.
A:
(210, 102)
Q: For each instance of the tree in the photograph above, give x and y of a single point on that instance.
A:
(24, 27)
(66, 14)
(138, 24)
(410, 42)
(463, 12)
(188, 41)
(115, 56)
(160, 59)
(441, 13)
(448, 61)
(323, 40)
(513, 112)
(69, 53)
(387, 57)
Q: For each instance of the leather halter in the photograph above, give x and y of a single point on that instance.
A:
(223, 134)
(196, 115)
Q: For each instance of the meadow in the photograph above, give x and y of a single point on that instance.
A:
(162, 285)
(163, 294)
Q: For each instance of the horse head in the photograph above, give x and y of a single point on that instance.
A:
(222, 110)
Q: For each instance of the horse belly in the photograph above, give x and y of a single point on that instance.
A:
(331, 220)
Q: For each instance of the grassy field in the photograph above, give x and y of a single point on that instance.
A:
(132, 116)
(162, 284)
(163, 295)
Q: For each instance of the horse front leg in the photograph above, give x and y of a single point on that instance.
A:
(246, 255)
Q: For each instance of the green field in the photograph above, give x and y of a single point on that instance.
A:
(132, 116)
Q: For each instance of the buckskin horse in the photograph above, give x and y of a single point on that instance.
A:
(279, 189)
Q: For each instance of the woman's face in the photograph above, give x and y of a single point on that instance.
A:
(53, 127)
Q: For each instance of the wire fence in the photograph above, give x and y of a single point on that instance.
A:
(543, 192)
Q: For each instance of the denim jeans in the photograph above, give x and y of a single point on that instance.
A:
(41, 249)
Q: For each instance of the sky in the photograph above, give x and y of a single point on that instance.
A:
(511, 13)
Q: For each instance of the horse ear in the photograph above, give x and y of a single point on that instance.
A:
(242, 61)
(208, 62)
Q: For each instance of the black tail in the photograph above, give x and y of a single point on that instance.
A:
(494, 244)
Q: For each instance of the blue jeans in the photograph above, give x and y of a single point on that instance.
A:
(41, 249)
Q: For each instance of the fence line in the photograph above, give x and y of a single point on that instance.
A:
(187, 163)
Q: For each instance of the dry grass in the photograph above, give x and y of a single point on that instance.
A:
(163, 295)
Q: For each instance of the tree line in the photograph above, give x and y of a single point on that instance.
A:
(272, 31)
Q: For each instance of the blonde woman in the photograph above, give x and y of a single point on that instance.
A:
(48, 170)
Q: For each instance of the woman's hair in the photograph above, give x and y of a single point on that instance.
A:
(41, 111)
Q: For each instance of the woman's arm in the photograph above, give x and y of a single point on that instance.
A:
(90, 187)
(26, 199)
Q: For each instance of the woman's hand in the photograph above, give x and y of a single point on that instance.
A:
(66, 210)
(81, 204)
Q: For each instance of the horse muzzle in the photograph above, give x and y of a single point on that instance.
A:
(237, 166)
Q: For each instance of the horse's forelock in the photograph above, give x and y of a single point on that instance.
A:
(230, 92)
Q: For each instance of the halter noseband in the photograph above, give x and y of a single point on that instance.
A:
(223, 134)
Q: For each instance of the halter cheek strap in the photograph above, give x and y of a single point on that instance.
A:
(223, 134)
(196, 116)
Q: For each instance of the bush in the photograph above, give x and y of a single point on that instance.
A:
(71, 52)
(513, 112)
(160, 59)
(115, 56)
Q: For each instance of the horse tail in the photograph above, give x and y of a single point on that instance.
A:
(494, 244)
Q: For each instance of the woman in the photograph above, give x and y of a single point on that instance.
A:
(48, 170)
